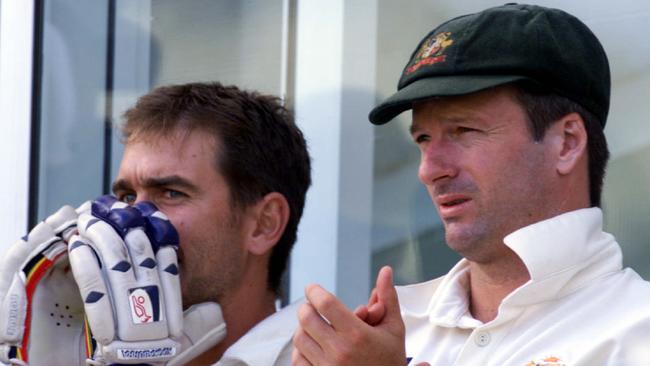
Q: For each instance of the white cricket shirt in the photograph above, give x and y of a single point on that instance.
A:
(269, 343)
(579, 308)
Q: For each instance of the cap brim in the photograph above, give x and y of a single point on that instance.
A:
(436, 86)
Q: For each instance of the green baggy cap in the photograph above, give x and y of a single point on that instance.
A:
(547, 47)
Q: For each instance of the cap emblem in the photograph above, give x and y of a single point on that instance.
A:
(431, 51)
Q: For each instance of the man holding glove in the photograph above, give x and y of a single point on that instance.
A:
(207, 203)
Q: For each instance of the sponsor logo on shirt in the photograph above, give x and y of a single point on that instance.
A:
(547, 361)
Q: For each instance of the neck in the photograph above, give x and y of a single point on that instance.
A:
(242, 309)
(491, 282)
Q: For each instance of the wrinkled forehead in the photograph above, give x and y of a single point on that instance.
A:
(170, 150)
(172, 153)
(178, 136)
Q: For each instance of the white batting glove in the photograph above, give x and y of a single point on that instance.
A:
(124, 262)
(41, 312)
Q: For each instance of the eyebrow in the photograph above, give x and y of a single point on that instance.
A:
(446, 120)
(413, 129)
(157, 182)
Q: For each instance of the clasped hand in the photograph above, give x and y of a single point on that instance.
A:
(330, 334)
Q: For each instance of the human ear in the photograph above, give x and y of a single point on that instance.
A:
(269, 219)
(572, 142)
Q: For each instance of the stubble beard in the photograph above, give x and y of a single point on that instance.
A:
(482, 239)
(469, 241)
(210, 284)
(463, 236)
(212, 275)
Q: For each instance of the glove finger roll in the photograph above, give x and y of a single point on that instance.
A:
(87, 272)
(164, 239)
(63, 222)
(171, 285)
(24, 249)
(142, 257)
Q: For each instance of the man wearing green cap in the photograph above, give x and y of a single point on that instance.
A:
(508, 108)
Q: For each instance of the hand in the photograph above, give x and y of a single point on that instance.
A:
(41, 312)
(124, 262)
(330, 334)
(372, 313)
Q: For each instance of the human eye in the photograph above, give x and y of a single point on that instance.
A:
(462, 132)
(465, 129)
(173, 194)
(126, 197)
(420, 138)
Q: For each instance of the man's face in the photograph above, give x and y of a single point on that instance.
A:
(177, 172)
(482, 169)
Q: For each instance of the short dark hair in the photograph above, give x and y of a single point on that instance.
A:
(543, 108)
(262, 149)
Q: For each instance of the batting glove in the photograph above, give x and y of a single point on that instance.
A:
(41, 312)
(124, 262)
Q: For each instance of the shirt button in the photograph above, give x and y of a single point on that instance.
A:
(482, 339)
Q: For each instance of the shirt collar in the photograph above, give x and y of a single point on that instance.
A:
(552, 245)
(556, 253)
(562, 254)
(452, 310)
(448, 304)
(265, 341)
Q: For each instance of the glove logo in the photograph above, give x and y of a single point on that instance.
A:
(145, 354)
(14, 309)
(140, 308)
(145, 304)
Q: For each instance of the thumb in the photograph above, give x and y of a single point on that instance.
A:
(423, 364)
(387, 294)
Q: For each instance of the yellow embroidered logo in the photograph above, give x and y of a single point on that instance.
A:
(548, 361)
(431, 51)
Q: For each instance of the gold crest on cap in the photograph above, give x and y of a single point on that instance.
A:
(432, 51)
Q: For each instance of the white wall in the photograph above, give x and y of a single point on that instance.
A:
(333, 92)
(16, 37)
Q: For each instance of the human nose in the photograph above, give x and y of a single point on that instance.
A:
(142, 197)
(436, 163)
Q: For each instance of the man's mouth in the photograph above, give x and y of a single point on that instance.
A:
(454, 202)
(452, 206)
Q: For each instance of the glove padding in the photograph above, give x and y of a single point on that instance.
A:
(124, 262)
(41, 313)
